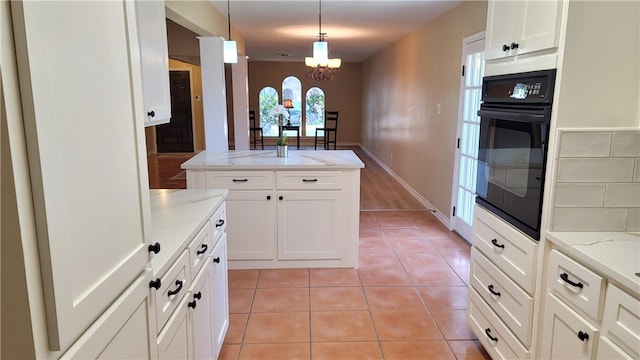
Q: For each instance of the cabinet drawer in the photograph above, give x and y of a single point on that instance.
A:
(174, 285)
(199, 249)
(240, 180)
(511, 251)
(622, 318)
(494, 335)
(219, 223)
(566, 335)
(577, 284)
(608, 350)
(313, 180)
(512, 304)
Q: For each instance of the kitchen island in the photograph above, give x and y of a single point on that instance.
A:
(293, 212)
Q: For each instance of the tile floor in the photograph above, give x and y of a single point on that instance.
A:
(407, 301)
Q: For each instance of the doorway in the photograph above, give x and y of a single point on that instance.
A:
(177, 135)
(463, 196)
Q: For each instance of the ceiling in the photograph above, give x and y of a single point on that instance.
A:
(356, 29)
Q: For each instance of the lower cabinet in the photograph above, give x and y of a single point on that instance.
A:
(254, 235)
(220, 294)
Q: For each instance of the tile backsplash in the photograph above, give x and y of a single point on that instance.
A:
(597, 185)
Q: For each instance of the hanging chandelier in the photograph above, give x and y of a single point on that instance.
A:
(320, 67)
(230, 48)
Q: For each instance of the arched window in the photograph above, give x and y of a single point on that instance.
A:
(315, 110)
(292, 89)
(268, 100)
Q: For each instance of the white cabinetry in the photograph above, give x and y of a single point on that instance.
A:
(517, 28)
(78, 106)
(220, 294)
(586, 318)
(502, 293)
(154, 56)
(288, 218)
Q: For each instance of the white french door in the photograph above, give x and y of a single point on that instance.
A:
(463, 196)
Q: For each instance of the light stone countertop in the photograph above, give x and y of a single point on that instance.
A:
(616, 255)
(176, 217)
(267, 160)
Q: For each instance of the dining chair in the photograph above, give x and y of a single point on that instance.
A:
(328, 134)
(256, 131)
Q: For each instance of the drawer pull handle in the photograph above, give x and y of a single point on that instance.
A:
(505, 47)
(217, 260)
(155, 284)
(514, 45)
(487, 331)
(204, 249)
(192, 304)
(197, 295)
(177, 290)
(154, 248)
(565, 278)
(240, 180)
(496, 293)
(496, 244)
(220, 223)
(309, 180)
(583, 336)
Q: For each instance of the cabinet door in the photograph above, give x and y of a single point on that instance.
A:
(173, 341)
(152, 34)
(200, 316)
(309, 225)
(502, 19)
(252, 228)
(220, 293)
(566, 334)
(83, 142)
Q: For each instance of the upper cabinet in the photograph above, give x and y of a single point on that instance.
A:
(154, 57)
(515, 28)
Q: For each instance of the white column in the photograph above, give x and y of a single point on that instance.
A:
(240, 103)
(213, 93)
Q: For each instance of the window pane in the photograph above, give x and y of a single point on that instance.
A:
(268, 100)
(315, 110)
(292, 89)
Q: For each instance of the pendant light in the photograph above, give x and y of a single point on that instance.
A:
(320, 67)
(230, 50)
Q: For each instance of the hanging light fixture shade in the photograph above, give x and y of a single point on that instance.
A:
(230, 49)
(320, 67)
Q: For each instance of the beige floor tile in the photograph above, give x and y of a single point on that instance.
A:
(281, 300)
(395, 222)
(402, 245)
(416, 350)
(277, 278)
(243, 279)
(277, 328)
(341, 326)
(337, 298)
(275, 351)
(375, 245)
(334, 277)
(469, 350)
(404, 325)
(237, 325)
(456, 257)
(451, 242)
(379, 260)
(445, 297)
(403, 233)
(345, 350)
(393, 298)
(240, 300)
(437, 231)
(434, 276)
(421, 259)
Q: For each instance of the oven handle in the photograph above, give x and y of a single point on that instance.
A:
(513, 116)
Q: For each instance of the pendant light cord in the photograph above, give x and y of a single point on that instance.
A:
(229, 17)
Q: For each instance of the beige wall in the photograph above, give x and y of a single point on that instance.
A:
(402, 87)
(342, 94)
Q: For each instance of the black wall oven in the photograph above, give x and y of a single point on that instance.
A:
(514, 133)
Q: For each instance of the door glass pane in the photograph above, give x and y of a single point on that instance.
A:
(315, 110)
(268, 100)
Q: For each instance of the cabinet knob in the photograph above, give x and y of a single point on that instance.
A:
(204, 248)
(176, 290)
(220, 223)
(505, 47)
(197, 295)
(154, 248)
(151, 113)
(268, 197)
(217, 260)
(280, 197)
(583, 336)
(192, 304)
(155, 284)
(514, 45)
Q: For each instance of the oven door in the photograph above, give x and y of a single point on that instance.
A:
(511, 163)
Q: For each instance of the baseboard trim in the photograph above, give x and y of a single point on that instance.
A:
(439, 215)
